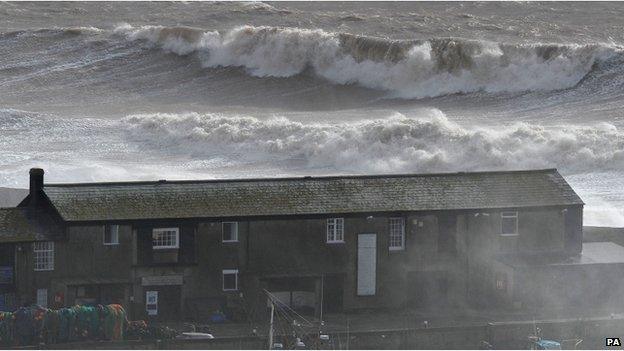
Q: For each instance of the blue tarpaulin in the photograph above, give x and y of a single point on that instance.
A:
(548, 345)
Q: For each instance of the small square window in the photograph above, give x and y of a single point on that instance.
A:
(230, 279)
(509, 223)
(335, 230)
(111, 234)
(230, 232)
(165, 238)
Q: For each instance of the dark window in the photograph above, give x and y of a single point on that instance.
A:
(230, 232)
(509, 223)
(230, 279)
(111, 234)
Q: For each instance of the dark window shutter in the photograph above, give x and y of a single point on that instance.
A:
(187, 244)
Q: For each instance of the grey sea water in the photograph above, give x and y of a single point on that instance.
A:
(128, 91)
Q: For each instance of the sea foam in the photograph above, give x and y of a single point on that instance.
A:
(428, 143)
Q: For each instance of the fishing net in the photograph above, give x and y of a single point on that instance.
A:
(139, 330)
(6, 329)
(113, 321)
(35, 324)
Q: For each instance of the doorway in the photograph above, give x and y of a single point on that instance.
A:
(332, 293)
(168, 302)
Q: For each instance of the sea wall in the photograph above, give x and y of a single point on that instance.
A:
(507, 335)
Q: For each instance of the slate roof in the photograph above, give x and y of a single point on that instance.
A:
(309, 195)
(21, 224)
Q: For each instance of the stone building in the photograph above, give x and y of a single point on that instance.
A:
(186, 249)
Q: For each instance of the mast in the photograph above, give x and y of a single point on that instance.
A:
(348, 337)
(271, 324)
(322, 293)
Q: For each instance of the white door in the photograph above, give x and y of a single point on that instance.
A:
(367, 264)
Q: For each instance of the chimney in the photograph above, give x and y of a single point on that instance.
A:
(36, 185)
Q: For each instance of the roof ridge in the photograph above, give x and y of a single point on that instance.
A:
(13, 208)
(299, 178)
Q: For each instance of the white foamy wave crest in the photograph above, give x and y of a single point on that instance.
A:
(395, 144)
(409, 69)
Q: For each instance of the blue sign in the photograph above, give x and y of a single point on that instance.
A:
(6, 275)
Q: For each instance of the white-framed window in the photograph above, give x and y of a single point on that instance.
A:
(111, 234)
(509, 223)
(335, 230)
(43, 252)
(230, 232)
(396, 240)
(42, 297)
(165, 238)
(501, 281)
(230, 279)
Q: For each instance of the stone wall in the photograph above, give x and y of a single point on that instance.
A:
(508, 335)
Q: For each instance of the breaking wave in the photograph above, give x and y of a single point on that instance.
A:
(406, 68)
(396, 144)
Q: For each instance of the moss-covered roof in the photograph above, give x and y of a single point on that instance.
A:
(309, 195)
(19, 224)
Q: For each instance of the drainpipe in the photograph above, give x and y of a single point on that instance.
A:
(271, 325)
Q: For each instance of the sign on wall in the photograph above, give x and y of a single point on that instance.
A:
(162, 280)
(151, 303)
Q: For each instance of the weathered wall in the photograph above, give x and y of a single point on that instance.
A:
(298, 248)
(85, 245)
(201, 291)
(539, 230)
(81, 256)
(595, 286)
